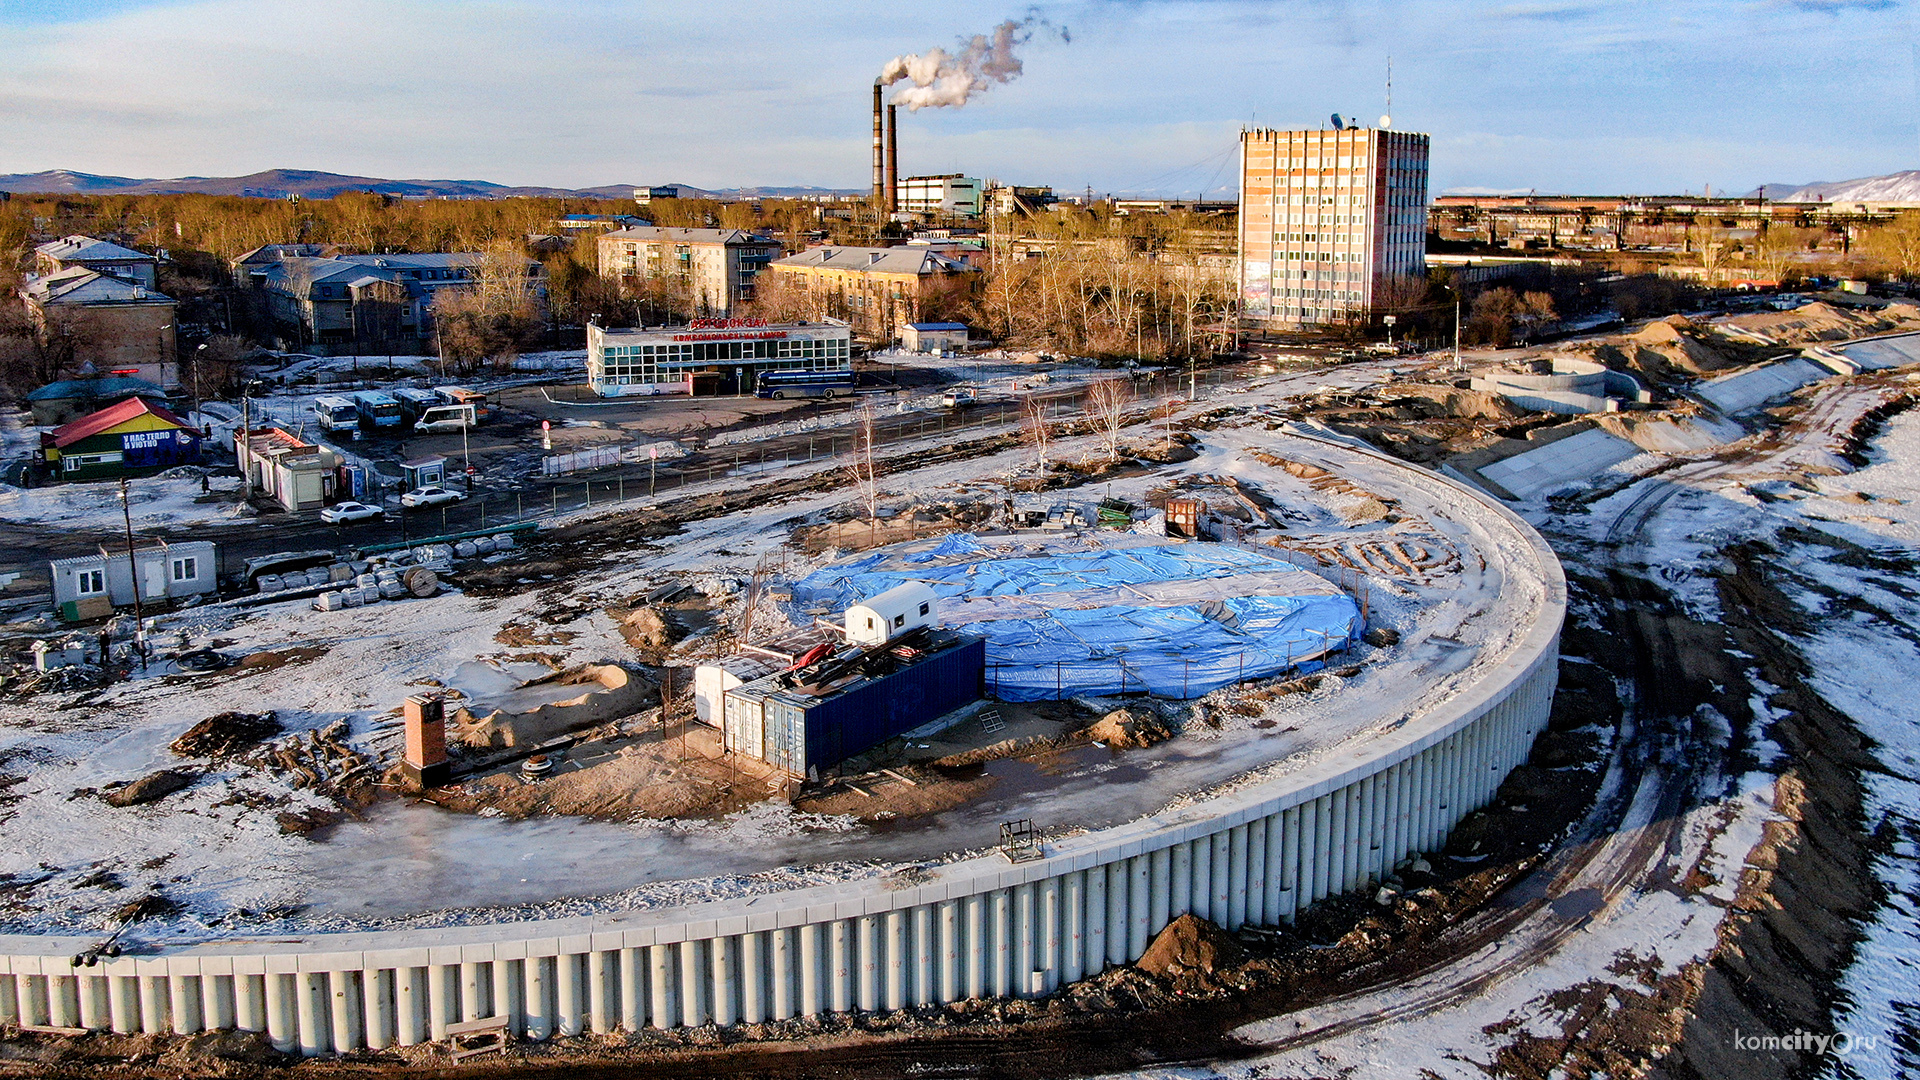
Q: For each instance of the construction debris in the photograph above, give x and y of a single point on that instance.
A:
(150, 788)
(225, 734)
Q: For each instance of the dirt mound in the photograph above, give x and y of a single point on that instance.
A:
(1193, 954)
(1821, 321)
(150, 788)
(225, 734)
(647, 630)
(1125, 729)
(1669, 344)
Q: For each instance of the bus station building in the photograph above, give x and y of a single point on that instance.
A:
(710, 356)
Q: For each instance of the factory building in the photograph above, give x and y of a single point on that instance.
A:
(1332, 222)
(948, 196)
(715, 267)
(710, 356)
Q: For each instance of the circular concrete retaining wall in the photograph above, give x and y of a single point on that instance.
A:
(980, 927)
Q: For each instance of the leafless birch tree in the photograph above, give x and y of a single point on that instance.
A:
(1107, 402)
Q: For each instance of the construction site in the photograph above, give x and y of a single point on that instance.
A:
(962, 725)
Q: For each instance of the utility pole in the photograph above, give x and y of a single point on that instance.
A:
(133, 575)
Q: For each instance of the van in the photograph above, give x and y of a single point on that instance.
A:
(441, 418)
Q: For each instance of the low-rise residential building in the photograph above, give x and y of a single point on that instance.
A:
(69, 399)
(715, 268)
(132, 438)
(710, 356)
(949, 195)
(878, 290)
(99, 256)
(933, 337)
(341, 304)
(108, 322)
(91, 586)
(297, 474)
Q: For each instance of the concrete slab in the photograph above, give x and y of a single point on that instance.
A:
(1883, 352)
(1566, 461)
(1753, 388)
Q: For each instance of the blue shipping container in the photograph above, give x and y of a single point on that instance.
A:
(873, 712)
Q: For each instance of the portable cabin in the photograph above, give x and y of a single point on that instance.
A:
(891, 614)
(91, 586)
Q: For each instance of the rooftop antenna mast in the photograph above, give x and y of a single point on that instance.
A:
(1386, 118)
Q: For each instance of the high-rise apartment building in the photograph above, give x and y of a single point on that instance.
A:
(1329, 221)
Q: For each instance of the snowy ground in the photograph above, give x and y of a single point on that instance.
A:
(159, 502)
(1863, 653)
(412, 863)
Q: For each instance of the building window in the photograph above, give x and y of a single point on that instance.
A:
(91, 582)
(186, 568)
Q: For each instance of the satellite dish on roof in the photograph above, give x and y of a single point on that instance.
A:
(1338, 123)
(1386, 122)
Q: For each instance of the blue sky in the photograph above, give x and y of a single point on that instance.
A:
(1148, 95)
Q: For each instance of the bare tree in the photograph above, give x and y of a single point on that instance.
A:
(1897, 244)
(1714, 248)
(1107, 402)
(865, 478)
(1039, 434)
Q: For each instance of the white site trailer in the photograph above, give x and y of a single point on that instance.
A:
(880, 619)
(713, 679)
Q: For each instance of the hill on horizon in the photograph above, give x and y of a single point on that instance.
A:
(1900, 187)
(308, 184)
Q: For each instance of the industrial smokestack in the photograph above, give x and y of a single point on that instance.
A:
(893, 158)
(879, 147)
(942, 79)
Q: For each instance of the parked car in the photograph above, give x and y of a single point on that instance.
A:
(430, 496)
(956, 399)
(342, 513)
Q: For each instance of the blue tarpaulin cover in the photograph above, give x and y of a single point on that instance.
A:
(1071, 638)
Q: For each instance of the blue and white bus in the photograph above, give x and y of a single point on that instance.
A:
(414, 402)
(786, 384)
(377, 410)
(336, 413)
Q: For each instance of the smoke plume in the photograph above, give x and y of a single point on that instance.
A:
(940, 78)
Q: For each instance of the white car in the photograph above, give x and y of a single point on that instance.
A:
(956, 399)
(430, 496)
(341, 513)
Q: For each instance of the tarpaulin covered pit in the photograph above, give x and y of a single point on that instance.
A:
(1112, 614)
